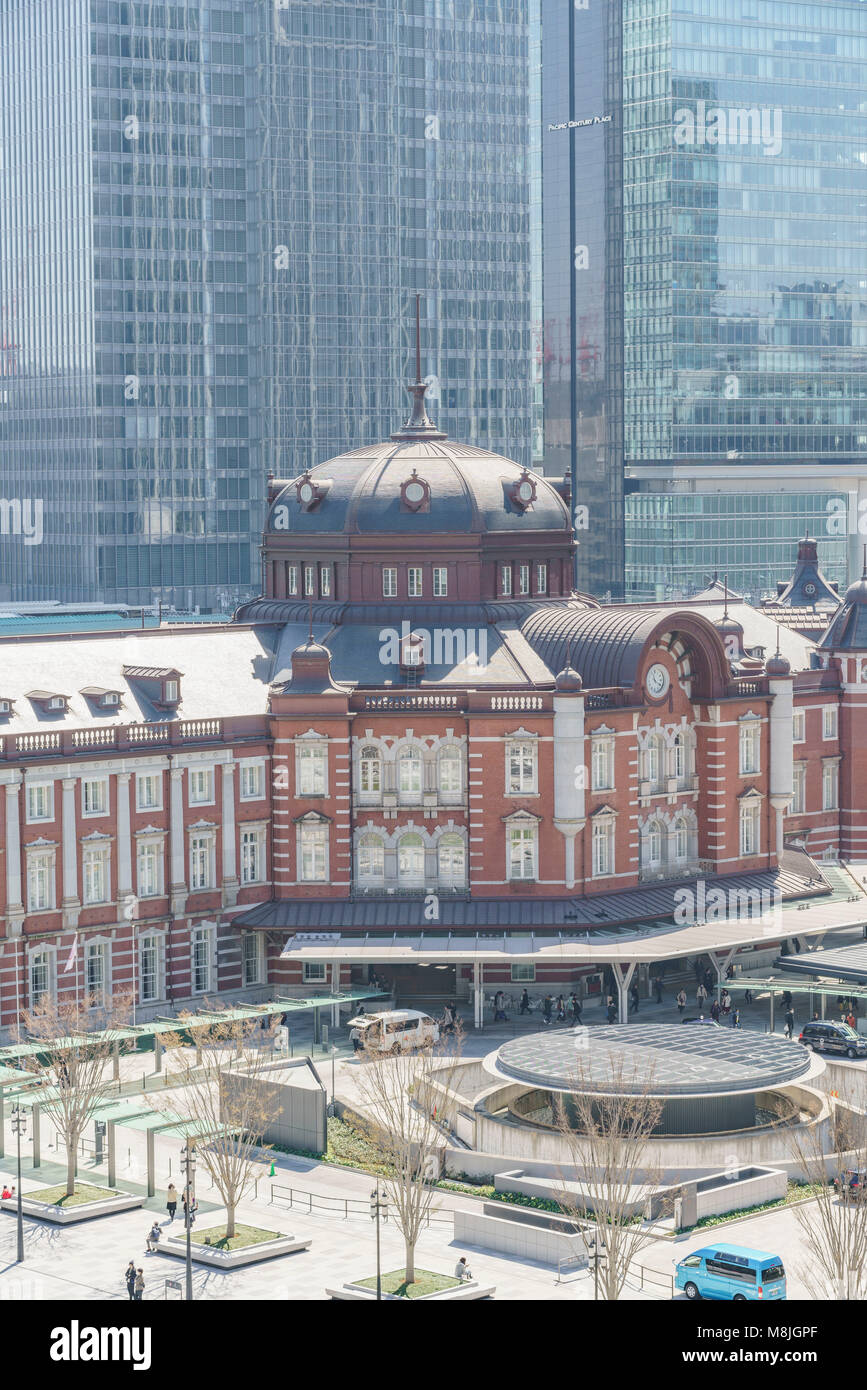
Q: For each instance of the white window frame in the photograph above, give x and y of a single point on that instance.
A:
(450, 756)
(314, 972)
(830, 786)
(522, 851)
(251, 782)
(310, 581)
(200, 785)
(325, 581)
(46, 957)
(601, 752)
(409, 756)
(252, 856)
(799, 726)
(749, 829)
(602, 851)
(102, 808)
(829, 722)
(750, 748)
(95, 875)
(440, 581)
(156, 941)
(97, 949)
(506, 581)
(414, 879)
(41, 873)
(455, 845)
(518, 781)
(311, 768)
(681, 827)
(202, 852)
(40, 802)
(389, 581)
(523, 972)
(369, 761)
(150, 847)
(143, 780)
(542, 577)
(291, 579)
(254, 958)
(415, 581)
(799, 789)
(367, 844)
(313, 848)
(202, 940)
(523, 579)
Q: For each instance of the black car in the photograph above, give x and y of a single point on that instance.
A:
(833, 1037)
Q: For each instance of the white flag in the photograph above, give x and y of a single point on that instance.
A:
(72, 955)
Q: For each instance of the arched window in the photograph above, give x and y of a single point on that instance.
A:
(371, 859)
(370, 770)
(652, 760)
(653, 842)
(681, 839)
(679, 767)
(451, 859)
(410, 771)
(410, 859)
(450, 770)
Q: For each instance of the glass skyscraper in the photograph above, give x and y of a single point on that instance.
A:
(213, 222)
(744, 273)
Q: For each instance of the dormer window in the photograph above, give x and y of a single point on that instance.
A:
(523, 492)
(102, 698)
(309, 492)
(5, 707)
(415, 494)
(412, 654)
(161, 685)
(50, 702)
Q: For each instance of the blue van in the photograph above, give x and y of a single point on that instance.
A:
(731, 1271)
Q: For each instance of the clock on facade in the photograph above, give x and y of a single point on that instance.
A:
(656, 681)
(305, 492)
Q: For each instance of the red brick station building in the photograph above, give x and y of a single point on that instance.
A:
(421, 754)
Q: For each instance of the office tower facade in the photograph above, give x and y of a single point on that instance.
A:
(744, 280)
(213, 223)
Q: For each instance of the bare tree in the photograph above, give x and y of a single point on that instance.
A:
(834, 1222)
(76, 1041)
(401, 1123)
(225, 1105)
(606, 1124)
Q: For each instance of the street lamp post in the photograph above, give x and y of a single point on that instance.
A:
(334, 1052)
(188, 1165)
(18, 1123)
(378, 1207)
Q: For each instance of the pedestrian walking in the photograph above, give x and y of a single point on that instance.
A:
(790, 1022)
(681, 1001)
(726, 1003)
(633, 999)
(577, 1007)
(748, 996)
(700, 996)
(612, 1010)
(171, 1200)
(561, 1009)
(129, 1279)
(547, 1008)
(736, 1018)
(525, 1002)
(658, 987)
(138, 1286)
(714, 1011)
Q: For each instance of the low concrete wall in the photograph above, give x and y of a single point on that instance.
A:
(515, 1237)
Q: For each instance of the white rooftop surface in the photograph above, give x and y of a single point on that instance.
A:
(225, 672)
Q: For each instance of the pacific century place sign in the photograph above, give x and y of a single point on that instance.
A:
(573, 125)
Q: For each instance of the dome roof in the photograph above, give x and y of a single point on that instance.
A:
(467, 490)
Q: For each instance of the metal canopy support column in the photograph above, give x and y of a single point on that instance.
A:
(478, 996)
(622, 979)
(158, 1055)
(34, 1116)
(335, 989)
(112, 1153)
(2, 1125)
(771, 997)
(721, 965)
(115, 1060)
(149, 1143)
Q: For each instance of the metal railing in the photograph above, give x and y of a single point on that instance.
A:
(335, 1206)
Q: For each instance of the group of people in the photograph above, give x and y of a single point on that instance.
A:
(450, 1020)
(134, 1276)
(8, 1191)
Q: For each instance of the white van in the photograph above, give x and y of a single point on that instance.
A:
(396, 1030)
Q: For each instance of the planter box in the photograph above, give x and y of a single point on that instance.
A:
(65, 1216)
(233, 1259)
(470, 1289)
